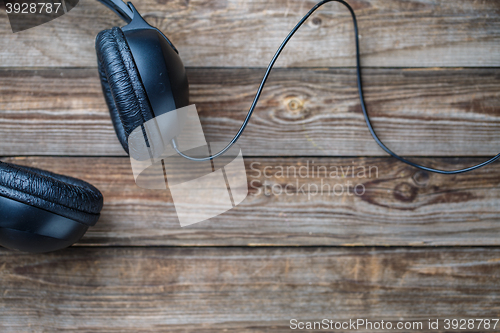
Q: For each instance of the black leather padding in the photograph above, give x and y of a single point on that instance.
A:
(121, 84)
(62, 195)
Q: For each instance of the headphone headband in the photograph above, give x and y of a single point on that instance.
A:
(120, 8)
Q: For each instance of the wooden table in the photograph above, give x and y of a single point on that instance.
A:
(413, 246)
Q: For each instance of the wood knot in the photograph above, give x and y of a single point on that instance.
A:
(294, 104)
(316, 22)
(405, 192)
(294, 109)
(421, 178)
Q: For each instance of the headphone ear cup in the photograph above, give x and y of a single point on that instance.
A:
(41, 211)
(123, 89)
(65, 196)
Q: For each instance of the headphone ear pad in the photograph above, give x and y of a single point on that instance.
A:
(62, 195)
(123, 89)
(41, 211)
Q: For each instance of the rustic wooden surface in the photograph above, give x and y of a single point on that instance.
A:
(400, 206)
(413, 246)
(302, 112)
(242, 33)
(242, 289)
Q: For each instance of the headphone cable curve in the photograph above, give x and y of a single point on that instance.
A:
(361, 97)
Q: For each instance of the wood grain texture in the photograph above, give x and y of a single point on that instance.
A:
(241, 290)
(240, 33)
(299, 201)
(302, 112)
(318, 235)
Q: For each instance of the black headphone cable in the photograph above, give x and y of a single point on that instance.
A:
(361, 97)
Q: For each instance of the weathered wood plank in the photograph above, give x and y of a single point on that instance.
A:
(242, 289)
(303, 201)
(239, 33)
(304, 112)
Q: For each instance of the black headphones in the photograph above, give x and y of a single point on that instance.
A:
(142, 77)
